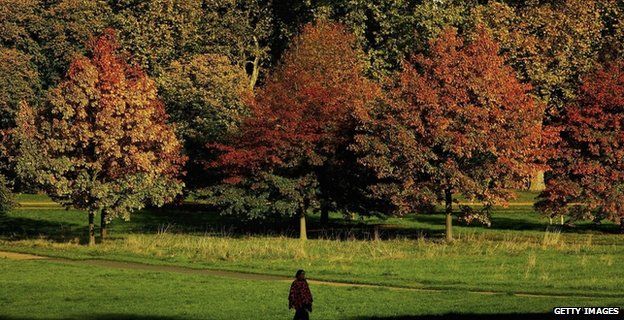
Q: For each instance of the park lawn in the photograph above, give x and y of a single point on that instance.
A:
(516, 255)
(38, 289)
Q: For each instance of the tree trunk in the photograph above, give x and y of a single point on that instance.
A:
(537, 181)
(449, 214)
(376, 235)
(91, 228)
(103, 226)
(324, 215)
(303, 233)
(256, 65)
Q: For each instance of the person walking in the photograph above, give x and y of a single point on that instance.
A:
(300, 297)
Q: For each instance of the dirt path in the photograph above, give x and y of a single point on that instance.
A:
(19, 256)
(263, 277)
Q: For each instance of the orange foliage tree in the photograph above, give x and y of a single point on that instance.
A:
(101, 139)
(301, 120)
(456, 121)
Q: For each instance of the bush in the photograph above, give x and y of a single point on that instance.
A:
(7, 201)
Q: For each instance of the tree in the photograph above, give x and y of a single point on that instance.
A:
(298, 121)
(204, 96)
(240, 30)
(384, 29)
(587, 161)
(102, 142)
(157, 32)
(456, 121)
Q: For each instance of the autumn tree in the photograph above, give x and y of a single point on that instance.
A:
(204, 96)
(299, 122)
(457, 121)
(588, 160)
(102, 142)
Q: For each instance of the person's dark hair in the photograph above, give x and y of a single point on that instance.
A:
(299, 272)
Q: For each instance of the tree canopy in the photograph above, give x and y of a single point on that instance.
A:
(457, 120)
(102, 141)
(299, 120)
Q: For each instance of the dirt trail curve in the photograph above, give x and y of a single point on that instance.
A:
(257, 276)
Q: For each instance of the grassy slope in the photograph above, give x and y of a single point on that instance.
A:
(515, 255)
(48, 290)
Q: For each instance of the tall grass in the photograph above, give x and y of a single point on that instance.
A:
(224, 247)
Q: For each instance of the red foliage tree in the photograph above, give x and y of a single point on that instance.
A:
(299, 120)
(101, 141)
(456, 121)
(588, 163)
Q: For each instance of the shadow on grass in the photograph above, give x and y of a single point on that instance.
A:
(195, 218)
(18, 228)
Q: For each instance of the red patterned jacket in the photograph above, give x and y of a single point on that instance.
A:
(300, 295)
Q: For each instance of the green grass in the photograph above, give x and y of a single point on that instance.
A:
(521, 252)
(49, 290)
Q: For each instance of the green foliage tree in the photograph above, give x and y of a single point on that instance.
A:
(433, 16)
(68, 26)
(19, 81)
(101, 142)
(240, 30)
(612, 44)
(384, 29)
(205, 97)
(157, 32)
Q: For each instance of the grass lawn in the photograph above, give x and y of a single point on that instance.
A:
(48, 290)
(520, 253)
